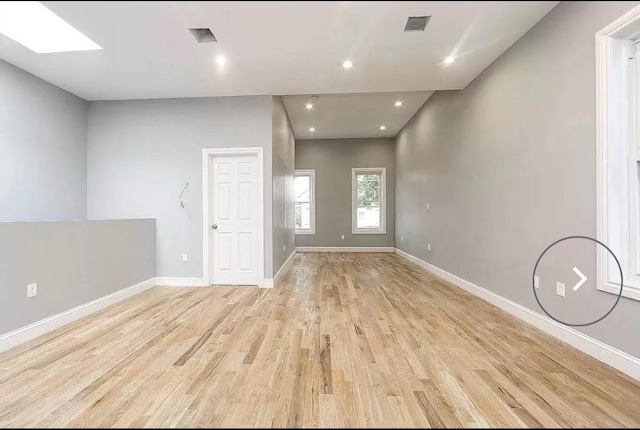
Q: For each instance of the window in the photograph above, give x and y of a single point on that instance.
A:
(618, 153)
(368, 200)
(305, 213)
(634, 168)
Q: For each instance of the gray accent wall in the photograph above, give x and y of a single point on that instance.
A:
(284, 142)
(508, 166)
(333, 160)
(73, 263)
(43, 154)
(141, 153)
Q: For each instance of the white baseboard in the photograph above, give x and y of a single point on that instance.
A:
(269, 283)
(38, 328)
(345, 249)
(180, 282)
(614, 357)
(167, 281)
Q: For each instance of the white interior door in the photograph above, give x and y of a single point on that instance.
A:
(234, 220)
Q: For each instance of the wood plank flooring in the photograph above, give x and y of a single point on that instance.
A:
(344, 340)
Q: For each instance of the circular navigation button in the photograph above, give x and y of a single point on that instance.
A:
(556, 292)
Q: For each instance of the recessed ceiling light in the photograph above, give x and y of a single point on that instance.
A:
(347, 64)
(34, 26)
(309, 106)
(383, 127)
(450, 59)
(398, 103)
(221, 60)
(312, 129)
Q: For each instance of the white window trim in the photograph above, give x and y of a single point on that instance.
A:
(615, 127)
(633, 158)
(312, 191)
(383, 200)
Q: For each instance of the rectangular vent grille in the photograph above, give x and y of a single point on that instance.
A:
(203, 35)
(417, 23)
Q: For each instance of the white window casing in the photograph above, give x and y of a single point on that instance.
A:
(310, 201)
(363, 215)
(617, 143)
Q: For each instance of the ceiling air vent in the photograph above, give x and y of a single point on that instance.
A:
(203, 35)
(416, 23)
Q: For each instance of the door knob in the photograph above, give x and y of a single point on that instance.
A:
(215, 226)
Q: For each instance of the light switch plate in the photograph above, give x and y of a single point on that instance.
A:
(536, 281)
(428, 247)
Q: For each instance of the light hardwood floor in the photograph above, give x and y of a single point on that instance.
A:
(344, 340)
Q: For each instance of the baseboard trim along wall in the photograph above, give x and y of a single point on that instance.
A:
(345, 249)
(180, 282)
(24, 334)
(44, 326)
(168, 281)
(270, 282)
(284, 268)
(614, 357)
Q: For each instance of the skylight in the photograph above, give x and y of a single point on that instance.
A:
(34, 26)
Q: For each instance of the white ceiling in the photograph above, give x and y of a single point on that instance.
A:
(353, 115)
(275, 47)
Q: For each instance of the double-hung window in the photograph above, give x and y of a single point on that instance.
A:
(305, 205)
(618, 153)
(633, 177)
(368, 200)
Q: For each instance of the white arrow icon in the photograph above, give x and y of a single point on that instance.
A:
(582, 280)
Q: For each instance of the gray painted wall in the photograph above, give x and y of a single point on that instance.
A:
(142, 152)
(73, 262)
(508, 166)
(43, 155)
(333, 160)
(284, 143)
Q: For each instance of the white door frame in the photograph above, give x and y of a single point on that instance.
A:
(207, 155)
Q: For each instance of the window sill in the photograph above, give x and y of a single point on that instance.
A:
(629, 291)
(369, 232)
(305, 232)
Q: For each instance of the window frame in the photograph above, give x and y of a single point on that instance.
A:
(311, 173)
(617, 132)
(382, 171)
(634, 160)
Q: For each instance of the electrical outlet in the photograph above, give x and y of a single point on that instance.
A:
(428, 206)
(185, 257)
(536, 282)
(401, 239)
(428, 247)
(342, 237)
(560, 289)
(284, 247)
(32, 290)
